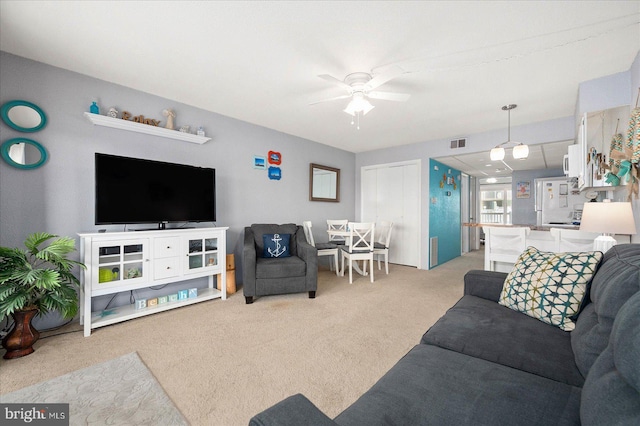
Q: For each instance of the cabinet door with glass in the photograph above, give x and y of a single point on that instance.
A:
(120, 263)
(201, 253)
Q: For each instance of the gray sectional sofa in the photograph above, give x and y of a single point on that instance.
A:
(485, 364)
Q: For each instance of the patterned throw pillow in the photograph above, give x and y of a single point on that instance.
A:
(550, 286)
(276, 245)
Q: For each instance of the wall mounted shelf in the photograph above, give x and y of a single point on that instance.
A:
(132, 126)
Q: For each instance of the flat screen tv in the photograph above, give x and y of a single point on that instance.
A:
(133, 190)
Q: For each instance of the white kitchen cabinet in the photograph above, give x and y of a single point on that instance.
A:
(123, 261)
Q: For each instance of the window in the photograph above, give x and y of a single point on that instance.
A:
(495, 204)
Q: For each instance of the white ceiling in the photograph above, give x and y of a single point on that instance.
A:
(259, 61)
(542, 156)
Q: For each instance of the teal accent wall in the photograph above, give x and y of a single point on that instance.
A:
(444, 210)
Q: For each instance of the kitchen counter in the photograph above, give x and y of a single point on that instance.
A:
(533, 227)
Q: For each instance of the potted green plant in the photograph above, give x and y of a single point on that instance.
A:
(33, 282)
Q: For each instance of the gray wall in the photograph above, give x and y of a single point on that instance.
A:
(523, 209)
(59, 197)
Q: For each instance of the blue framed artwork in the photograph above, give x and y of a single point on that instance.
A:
(259, 162)
(275, 173)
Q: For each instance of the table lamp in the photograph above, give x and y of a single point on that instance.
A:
(607, 218)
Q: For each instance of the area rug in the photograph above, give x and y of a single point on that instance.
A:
(117, 392)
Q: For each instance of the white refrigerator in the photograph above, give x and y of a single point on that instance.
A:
(558, 202)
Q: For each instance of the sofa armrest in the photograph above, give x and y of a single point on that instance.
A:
(309, 254)
(249, 263)
(294, 411)
(484, 284)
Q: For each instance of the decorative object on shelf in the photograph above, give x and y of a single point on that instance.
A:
(607, 218)
(162, 299)
(275, 157)
(170, 116)
(183, 294)
(185, 128)
(94, 108)
(125, 124)
(259, 162)
(133, 273)
(23, 116)
(38, 279)
(113, 113)
(624, 161)
(173, 297)
(520, 150)
(200, 131)
(152, 302)
(141, 303)
(193, 292)
(140, 119)
(275, 173)
(23, 153)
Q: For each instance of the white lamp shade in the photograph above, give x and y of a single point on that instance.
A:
(520, 151)
(358, 104)
(608, 218)
(497, 154)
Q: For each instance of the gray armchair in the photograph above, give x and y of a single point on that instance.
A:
(293, 274)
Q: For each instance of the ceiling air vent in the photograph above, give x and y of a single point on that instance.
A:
(458, 143)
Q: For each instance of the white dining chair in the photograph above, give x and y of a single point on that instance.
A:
(359, 246)
(572, 239)
(324, 249)
(381, 245)
(503, 245)
(337, 225)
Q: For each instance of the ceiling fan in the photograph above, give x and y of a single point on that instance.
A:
(362, 85)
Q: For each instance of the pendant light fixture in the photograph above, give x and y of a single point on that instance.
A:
(520, 150)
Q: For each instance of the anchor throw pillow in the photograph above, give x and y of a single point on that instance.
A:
(550, 286)
(276, 245)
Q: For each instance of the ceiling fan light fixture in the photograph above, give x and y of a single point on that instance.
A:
(358, 104)
(497, 153)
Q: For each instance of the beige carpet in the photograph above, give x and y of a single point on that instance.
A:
(221, 362)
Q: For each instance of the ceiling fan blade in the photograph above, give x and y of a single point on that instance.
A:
(391, 73)
(389, 96)
(331, 99)
(334, 80)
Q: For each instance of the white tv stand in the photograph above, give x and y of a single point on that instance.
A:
(124, 261)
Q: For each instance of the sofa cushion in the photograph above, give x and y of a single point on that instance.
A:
(260, 229)
(616, 281)
(283, 267)
(276, 245)
(611, 393)
(550, 286)
(483, 329)
(434, 386)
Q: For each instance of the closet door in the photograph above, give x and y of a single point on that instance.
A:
(391, 193)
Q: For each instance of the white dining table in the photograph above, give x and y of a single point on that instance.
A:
(346, 235)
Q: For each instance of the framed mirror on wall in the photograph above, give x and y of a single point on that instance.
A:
(23, 153)
(23, 116)
(324, 183)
